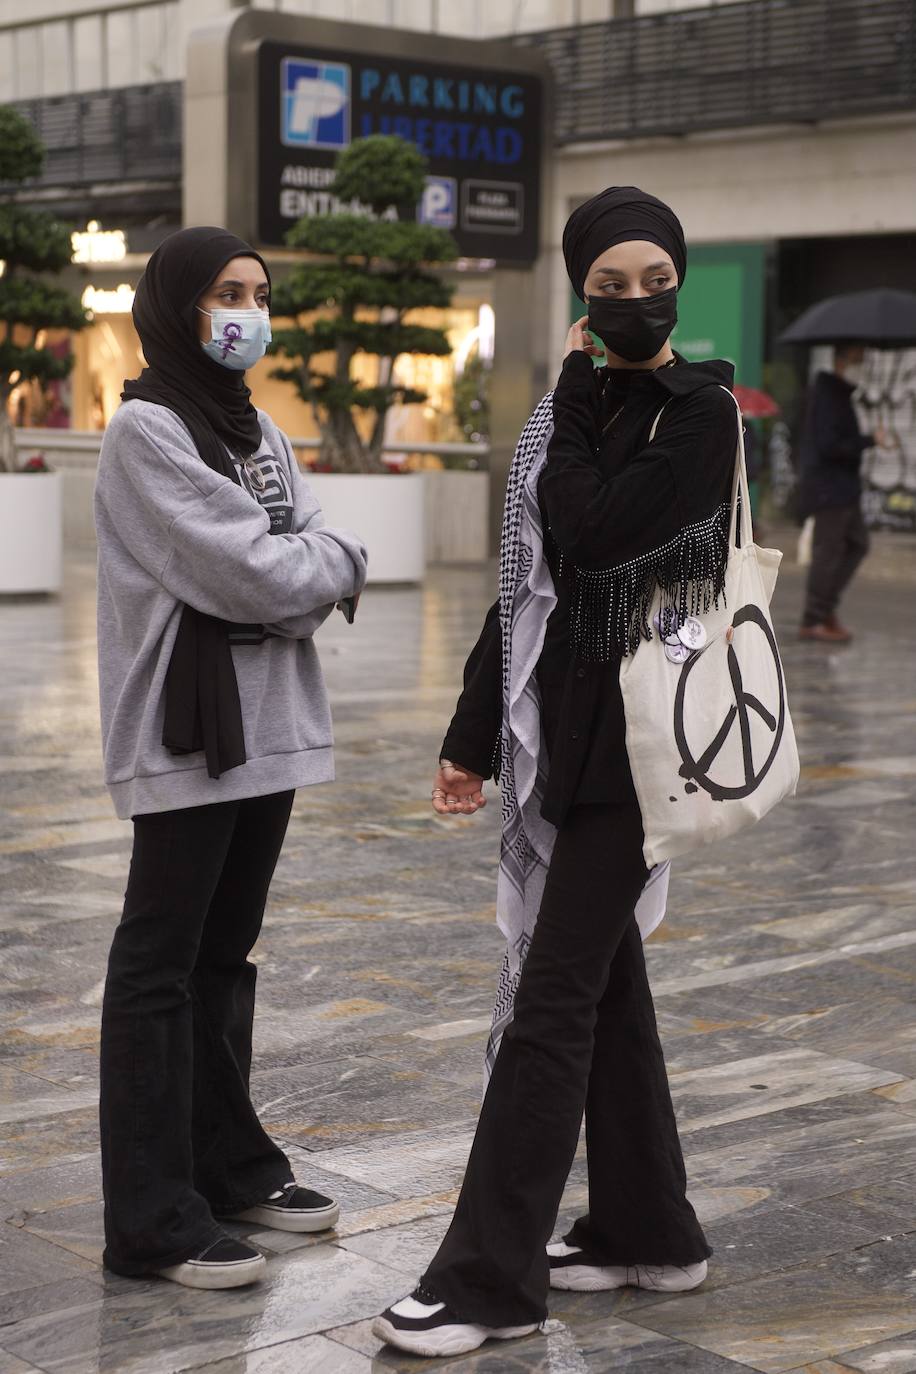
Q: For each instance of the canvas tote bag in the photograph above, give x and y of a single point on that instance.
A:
(710, 739)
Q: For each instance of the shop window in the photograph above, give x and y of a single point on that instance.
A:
(88, 53)
(56, 58)
(157, 39)
(27, 62)
(122, 50)
(465, 21)
(413, 14)
(7, 67)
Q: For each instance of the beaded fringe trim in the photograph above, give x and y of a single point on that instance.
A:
(610, 609)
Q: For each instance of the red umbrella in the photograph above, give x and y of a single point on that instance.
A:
(756, 405)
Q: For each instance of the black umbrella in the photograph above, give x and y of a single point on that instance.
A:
(882, 319)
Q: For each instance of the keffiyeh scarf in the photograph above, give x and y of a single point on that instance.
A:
(526, 598)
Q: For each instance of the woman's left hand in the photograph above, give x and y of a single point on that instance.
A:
(579, 341)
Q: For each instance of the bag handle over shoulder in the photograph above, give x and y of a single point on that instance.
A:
(740, 486)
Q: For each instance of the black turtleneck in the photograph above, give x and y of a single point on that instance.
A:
(606, 496)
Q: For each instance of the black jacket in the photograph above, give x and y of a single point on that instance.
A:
(606, 496)
(831, 446)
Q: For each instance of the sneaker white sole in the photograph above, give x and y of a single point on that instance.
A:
(588, 1278)
(215, 1276)
(445, 1340)
(282, 1219)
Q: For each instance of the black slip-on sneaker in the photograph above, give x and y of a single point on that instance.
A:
(573, 1269)
(293, 1209)
(224, 1263)
(422, 1325)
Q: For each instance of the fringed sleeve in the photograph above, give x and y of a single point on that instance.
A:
(610, 606)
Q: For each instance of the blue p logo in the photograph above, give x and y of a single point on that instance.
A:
(314, 103)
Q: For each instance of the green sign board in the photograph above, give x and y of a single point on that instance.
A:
(720, 308)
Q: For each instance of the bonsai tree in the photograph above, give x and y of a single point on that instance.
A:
(472, 400)
(372, 270)
(32, 243)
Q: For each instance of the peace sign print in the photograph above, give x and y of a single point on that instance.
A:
(732, 756)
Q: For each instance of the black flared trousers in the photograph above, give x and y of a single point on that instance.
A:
(181, 1142)
(584, 1038)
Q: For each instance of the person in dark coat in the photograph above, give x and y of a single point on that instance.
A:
(831, 450)
(621, 482)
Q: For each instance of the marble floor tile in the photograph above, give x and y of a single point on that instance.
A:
(418, 1164)
(407, 1249)
(158, 1327)
(27, 1260)
(896, 1356)
(883, 1207)
(800, 1163)
(330, 1103)
(11, 1364)
(20, 1304)
(311, 1355)
(77, 1228)
(812, 1313)
(33, 1142)
(78, 1180)
(718, 1093)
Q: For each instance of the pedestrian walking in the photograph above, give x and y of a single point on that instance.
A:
(831, 449)
(215, 570)
(608, 515)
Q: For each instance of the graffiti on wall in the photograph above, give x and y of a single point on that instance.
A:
(887, 397)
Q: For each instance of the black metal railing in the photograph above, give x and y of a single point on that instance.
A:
(129, 134)
(731, 65)
(723, 66)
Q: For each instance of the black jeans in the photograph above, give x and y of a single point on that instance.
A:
(180, 1139)
(584, 1037)
(840, 543)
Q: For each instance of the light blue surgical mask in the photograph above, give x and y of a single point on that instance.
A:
(239, 337)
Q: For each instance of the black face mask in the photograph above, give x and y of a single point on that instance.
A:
(635, 328)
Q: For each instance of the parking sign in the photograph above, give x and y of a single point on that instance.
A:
(315, 103)
(438, 206)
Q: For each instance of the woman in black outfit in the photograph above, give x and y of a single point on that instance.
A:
(618, 513)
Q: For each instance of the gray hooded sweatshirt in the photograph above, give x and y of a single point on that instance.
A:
(170, 531)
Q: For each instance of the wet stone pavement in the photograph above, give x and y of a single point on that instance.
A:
(785, 979)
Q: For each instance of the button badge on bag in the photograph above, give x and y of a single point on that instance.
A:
(676, 652)
(681, 638)
(692, 633)
(666, 621)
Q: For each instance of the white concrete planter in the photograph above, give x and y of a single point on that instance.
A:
(387, 511)
(30, 531)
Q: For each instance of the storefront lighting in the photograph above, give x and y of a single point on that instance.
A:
(101, 302)
(483, 334)
(95, 244)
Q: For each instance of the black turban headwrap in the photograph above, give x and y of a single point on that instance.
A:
(618, 215)
(202, 707)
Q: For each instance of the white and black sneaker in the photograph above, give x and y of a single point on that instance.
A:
(224, 1263)
(292, 1208)
(422, 1325)
(572, 1268)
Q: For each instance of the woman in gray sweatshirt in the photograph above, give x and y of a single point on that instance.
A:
(215, 570)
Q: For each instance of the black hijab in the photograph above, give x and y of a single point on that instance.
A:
(202, 707)
(619, 215)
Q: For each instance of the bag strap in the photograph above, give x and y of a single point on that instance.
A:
(739, 481)
(656, 420)
(740, 487)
